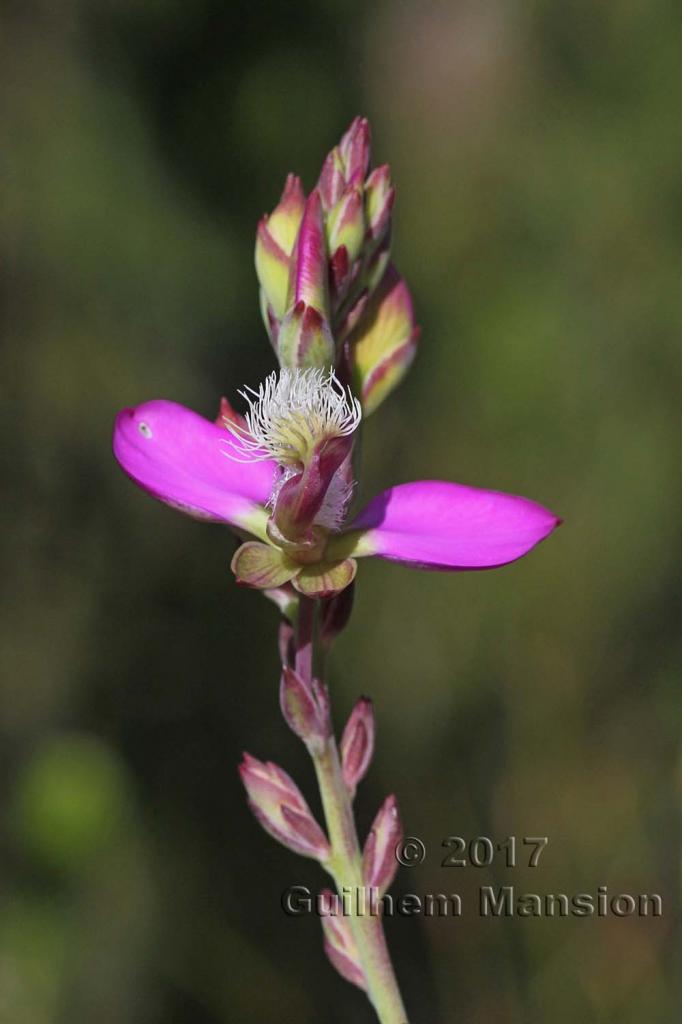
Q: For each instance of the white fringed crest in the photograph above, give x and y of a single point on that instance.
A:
(292, 412)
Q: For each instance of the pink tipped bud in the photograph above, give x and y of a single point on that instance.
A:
(305, 339)
(305, 709)
(346, 223)
(355, 149)
(273, 267)
(379, 197)
(379, 863)
(279, 806)
(310, 281)
(339, 944)
(285, 220)
(332, 179)
(357, 744)
(384, 341)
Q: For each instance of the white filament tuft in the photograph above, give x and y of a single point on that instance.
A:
(290, 413)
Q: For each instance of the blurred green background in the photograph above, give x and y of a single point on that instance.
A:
(536, 150)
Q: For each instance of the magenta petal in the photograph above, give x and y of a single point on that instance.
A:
(440, 525)
(181, 458)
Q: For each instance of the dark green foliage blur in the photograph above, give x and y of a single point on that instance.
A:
(537, 155)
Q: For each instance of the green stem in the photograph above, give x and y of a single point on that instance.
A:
(345, 864)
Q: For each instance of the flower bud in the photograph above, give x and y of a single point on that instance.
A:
(305, 710)
(273, 268)
(346, 223)
(339, 944)
(279, 806)
(379, 863)
(310, 270)
(379, 198)
(355, 148)
(384, 342)
(285, 220)
(357, 744)
(304, 339)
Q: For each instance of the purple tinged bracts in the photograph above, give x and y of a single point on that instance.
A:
(339, 944)
(285, 220)
(304, 338)
(279, 806)
(305, 708)
(346, 164)
(346, 224)
(320, 259)
(357, 744)
(355, 148)
(275, 240)
(379, 862)
(311, 279)
(316, 258)
(379, 199)
(273, 270)
(383, 345)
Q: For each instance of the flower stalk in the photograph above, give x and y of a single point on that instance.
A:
(345, 863)
(282, 475)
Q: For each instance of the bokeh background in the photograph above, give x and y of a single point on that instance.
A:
(536, 150)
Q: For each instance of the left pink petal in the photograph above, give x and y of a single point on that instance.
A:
(437, 525)
(181, 458)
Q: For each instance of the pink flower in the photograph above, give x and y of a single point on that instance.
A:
(220, 474)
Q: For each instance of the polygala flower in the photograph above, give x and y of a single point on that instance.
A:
(282, 475)
(284, 480)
